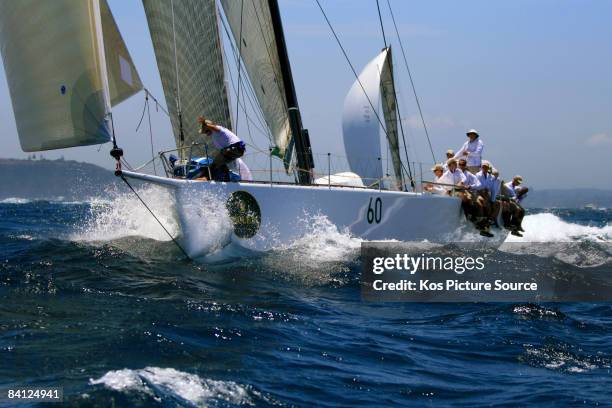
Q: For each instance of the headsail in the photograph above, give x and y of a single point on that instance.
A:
(54, 65)
(251, 25)
(360, 124)
(123, 78)
(188, 50)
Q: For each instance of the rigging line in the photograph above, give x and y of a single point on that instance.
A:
(399, 116)
(243, 106)
(400, 176)
(382, 27)
(157, 103)
(178, 85)
(239, 63)
(151, 134)
(251, 92)
(404, 142)
(245, 113)
(412, 82)
(154, 216)
(144, 108)
(353, 69)
(278, 81)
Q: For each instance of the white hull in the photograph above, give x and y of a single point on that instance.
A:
(287, 210)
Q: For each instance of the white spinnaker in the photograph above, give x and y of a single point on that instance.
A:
(251, 25)
(360, 126)
(189, 57)
(53, 63)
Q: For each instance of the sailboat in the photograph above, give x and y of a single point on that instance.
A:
(65, 99)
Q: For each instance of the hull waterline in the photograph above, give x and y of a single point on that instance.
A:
(264, 216)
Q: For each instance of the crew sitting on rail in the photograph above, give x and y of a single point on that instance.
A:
(449, 155)
(488, 192)
(512, 212)
(230, 148)
(471, 151)
(438, 170)
(497, 187)
(452, 176)
(519, 190)
(476, 208)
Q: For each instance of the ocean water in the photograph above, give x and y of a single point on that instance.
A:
(96, 299)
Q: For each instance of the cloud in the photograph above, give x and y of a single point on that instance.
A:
(599, 139)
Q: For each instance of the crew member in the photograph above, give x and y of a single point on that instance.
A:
(515, 211)
(449, 155)
(471, 151)
(475, 210)
(433, 188)
(230, 148)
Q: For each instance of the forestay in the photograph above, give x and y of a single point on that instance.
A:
(56, 69)
(252, 29)
(361, 124)
(188, 50)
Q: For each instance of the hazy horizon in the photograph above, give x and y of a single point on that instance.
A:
(532, 77)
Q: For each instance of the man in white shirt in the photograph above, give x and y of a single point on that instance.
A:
(229, 145)
(470, 179)
(471, 151)
(477, 208)
(512, 210)
(453, 176)
(449, 155)
(488, 191)
(433, 188)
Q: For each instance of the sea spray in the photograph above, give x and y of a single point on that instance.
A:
(318, 257)
(205, 223)
(123, 215)
(548, 227)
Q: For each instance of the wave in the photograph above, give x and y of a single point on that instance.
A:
(175, 386)
(547, 227)
(321, 256)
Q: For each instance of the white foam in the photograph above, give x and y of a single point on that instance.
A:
(207, 227)
(317, 256)
(124, 215)
(176, 384)
(120, 380)
(323, 242)
(15, 200)
(547, 227)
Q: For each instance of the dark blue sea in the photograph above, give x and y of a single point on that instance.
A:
(95, 299)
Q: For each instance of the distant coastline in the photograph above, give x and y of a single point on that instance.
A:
(69, 180)
(61, 180)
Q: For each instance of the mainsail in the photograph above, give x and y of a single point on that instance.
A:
(57, 70)
(253, 31)
(188, 50)
(361, 124)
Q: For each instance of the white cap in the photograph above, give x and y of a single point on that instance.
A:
(472, 131)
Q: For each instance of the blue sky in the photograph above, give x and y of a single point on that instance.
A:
(534, 77)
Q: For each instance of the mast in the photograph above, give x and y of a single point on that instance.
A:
(300, 136)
